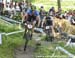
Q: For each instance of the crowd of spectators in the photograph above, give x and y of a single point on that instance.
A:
(13, 8)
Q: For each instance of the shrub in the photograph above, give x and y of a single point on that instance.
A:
(17, 17)
(66, 26)
(4, 27)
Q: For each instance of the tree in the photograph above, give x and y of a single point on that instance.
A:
(59, 4)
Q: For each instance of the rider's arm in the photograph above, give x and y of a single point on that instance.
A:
(26, 15)
(25, 18)
(53, 31)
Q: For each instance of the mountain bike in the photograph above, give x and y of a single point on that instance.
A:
(49, 35)
(28, 34)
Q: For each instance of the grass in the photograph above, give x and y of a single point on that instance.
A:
(13, 41)
(65, 5)
(66, 27)
(9, 44)
(68, 48)
(4, 27)
(49, 51)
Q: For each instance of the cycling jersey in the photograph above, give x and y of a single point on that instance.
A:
(30, 12)
(31, 18)
(32, 15)
(49, 22)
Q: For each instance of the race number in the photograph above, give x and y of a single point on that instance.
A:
(47, 27)
(29, 26)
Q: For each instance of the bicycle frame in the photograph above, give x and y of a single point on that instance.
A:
(28, 37)
(48, 32)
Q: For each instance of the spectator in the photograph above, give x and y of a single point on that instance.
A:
(42, 12)
(69, 15)
(52, 11)
(1, 7)
(73, 18)
(7, 10)
(59, 14)
(12, 11)
(65, 15)
(17, 7)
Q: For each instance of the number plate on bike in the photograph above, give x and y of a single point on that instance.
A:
(47, 27)
(29, 26)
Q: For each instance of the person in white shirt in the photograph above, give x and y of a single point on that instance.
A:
(12, 11)
(17, 7)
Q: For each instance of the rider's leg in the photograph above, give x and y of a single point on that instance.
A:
(34, 22)
(25, 33)
(25, 45)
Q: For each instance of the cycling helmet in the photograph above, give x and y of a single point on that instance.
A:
(33, 7)
(42, 7)
(48, 17)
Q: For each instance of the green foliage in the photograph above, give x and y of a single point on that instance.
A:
(48, 51)
(17, 17)
(9, 44)
(43, 51)
(65, 4)
(71, 50)
(4, 27)
(13, 41)
(18, 0)
(23, 0)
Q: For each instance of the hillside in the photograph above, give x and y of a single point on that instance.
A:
(7, 27)
(9, 43)
(65, 4)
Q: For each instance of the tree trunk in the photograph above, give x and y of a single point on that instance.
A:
(59, 4)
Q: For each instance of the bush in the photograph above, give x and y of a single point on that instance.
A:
(66, 26)
(17, 17)
(4, 27)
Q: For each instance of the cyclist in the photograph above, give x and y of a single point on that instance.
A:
(32, 15)
(48, 21)
(52, 11)
(42, 13)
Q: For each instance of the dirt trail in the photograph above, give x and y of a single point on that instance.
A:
(19, 53)
(29, 53)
